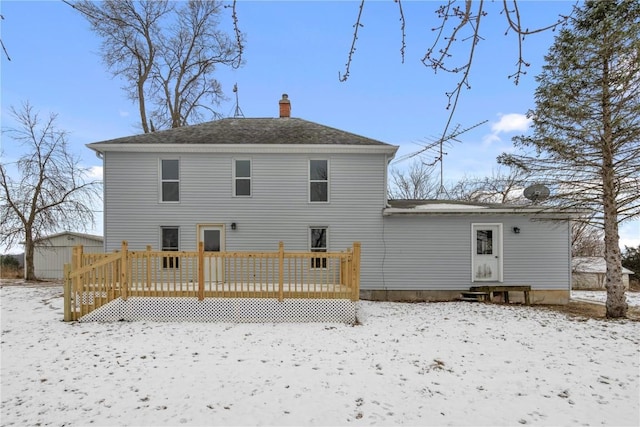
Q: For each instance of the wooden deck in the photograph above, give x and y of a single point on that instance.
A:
(92, 280)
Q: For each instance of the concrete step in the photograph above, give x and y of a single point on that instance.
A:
(470, 299)
(474, 296)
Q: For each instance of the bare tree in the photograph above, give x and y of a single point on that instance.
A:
(586, 240)
(167, 53)
(4, 49)
(586, 125)
(460, 23)
(500, 187)
(414, 183)
(51, 193)
(631, 260)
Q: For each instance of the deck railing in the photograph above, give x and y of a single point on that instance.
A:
(92, 280)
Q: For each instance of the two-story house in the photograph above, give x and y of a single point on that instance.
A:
(244, 184)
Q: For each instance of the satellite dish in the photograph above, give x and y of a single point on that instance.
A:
(536, 192)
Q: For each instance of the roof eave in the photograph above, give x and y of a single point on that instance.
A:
(102, 147)
(483, 211)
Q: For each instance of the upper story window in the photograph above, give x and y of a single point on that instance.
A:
(170, 180)
(318, 243)
(170, 242)
(241, 177)
(318, 180)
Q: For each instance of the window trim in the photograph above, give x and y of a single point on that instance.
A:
(167, 263)
(161, 180)
(327, 181)
(235, 178)
(316, 264)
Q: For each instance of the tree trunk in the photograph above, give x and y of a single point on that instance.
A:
(143, 107)
(616, 300)
(30, 273)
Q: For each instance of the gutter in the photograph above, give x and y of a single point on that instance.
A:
(480, 211)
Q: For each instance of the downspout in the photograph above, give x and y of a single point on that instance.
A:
(386, 205)
(100, 155)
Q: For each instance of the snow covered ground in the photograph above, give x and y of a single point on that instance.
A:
(633, 298)
(407, 364)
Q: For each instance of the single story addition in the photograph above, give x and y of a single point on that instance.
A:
(435, 249)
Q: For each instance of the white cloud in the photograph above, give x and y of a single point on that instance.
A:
(489, 139)
(507, 123)
(124, 113)
(95, 172)
(511, 123)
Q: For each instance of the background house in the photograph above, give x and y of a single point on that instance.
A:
(52, 252)
(590, 273)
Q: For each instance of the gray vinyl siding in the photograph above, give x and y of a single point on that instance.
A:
(433, 252)
(422, 252)
(278, 209)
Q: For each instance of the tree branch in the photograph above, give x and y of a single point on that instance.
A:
(352, 51)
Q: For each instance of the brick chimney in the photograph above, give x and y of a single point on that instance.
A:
(285, 106)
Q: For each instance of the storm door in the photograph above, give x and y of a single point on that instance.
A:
(486, 253)
(213, 238)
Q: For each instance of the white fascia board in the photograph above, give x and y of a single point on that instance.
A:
(246, 148)
(483, 211)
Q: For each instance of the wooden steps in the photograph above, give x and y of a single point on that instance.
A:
(487, 293)
(474, 296)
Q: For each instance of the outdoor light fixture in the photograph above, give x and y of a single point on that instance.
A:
(233, 225)
(516, 230)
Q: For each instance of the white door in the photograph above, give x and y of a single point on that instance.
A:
(212, 237)
(486, 253)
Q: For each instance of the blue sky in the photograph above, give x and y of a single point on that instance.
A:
(298, 48)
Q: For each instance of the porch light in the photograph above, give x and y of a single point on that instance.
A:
(233, 226)
(515, 230)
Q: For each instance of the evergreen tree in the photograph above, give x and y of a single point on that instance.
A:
(586, 125)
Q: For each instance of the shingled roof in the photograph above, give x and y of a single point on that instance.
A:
(247, 131)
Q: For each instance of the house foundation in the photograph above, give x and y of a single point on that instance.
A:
(552, 297)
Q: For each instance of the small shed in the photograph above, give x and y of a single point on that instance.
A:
(590, 273)
(52, 252)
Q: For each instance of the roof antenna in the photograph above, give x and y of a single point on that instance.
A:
(436, 146)
(238, 111)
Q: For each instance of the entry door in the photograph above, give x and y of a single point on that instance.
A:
(212, 237)
(486, 253)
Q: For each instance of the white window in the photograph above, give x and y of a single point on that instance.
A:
(318, 180)
(170, 180)
(318, 243)
(242, 178)
(170, 240)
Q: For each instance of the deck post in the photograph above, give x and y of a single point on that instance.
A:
(148, 266)
(76, 263)
(124, 270)
(200, 271)
(67, 293)
(355, 283)
(348, 269)
(281, 271)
